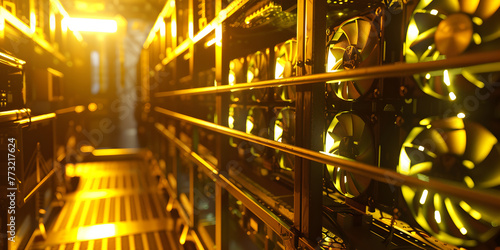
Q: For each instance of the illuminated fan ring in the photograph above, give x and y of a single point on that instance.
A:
(437, 148)
(439, 29)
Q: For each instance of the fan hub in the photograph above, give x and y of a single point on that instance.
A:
(351, 58)
(454, 34)
(448, 166)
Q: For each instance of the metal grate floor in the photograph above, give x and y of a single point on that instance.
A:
(117, 205)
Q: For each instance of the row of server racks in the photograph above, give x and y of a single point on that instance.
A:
(43, 66)
(326, 124)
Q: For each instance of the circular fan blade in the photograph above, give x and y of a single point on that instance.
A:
(364, 33)
(487, 8)
(351, 32)
(480, 142)
(345, 123)
(469, 6)
(460, 151)
(349, 136)
(424, 39)
(422, 167)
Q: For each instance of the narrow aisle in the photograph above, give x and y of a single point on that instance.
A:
(117, 205)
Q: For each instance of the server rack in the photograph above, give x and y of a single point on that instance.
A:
(217, 133)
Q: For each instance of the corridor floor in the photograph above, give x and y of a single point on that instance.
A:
(117, 205)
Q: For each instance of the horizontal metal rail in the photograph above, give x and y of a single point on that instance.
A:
(380, 174)
(384, 71)
(13, 115)
(278, 225)
(38, 118)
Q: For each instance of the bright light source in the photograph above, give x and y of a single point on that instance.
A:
(250, 76)
(421, 148)
(92, 107)
(452, 96)
(477, 38)
(446, 78)
(230, 122)
(279, 70)
(461, 115)
(469, 182)
(278, 132)
(96, 232)
(210, 42)
(434, 12)
(249, 127)
(427, 76)
(331, 62)
(468, 164)
(52, 23)
(430, 47)
(463, 230)
(424, 196)
(93, 25)
(477, 20)
(437, 216)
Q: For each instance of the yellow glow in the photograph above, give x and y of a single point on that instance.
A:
(32, 21)
(184, 234)
(446, 78)
(453, 214)
(468, 164)
(250, 76)
(96, 232)
(279, 70)
(477, 38)
(92, 107)
(86, 149)
(463, 230)
(475, 214)
(278, 132)
(331, 61)
(466, 207)
(93, 25)
(434, 12)
(429, 48)
(52, 22)
(477, 20)
(412, 32)
(329, 142)
(421, 148)
(404, 163)
(70, 170)
(162, 28)
(461, 115)
(230, 122)
(249, 127)
(79, 109)
(345, 179)
(173, 28)
(211, 42)
(437, 216)
(469, 182)
(452, 96)
(427, 76)
(424, 196)
(231, 77)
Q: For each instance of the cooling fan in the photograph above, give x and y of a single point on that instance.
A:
(286, 61)
(460, 151)
(354, 44)
(349, 136)
(257, 71)
(284, 131)
(441, 29)
(236, 75)
(256, 124)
